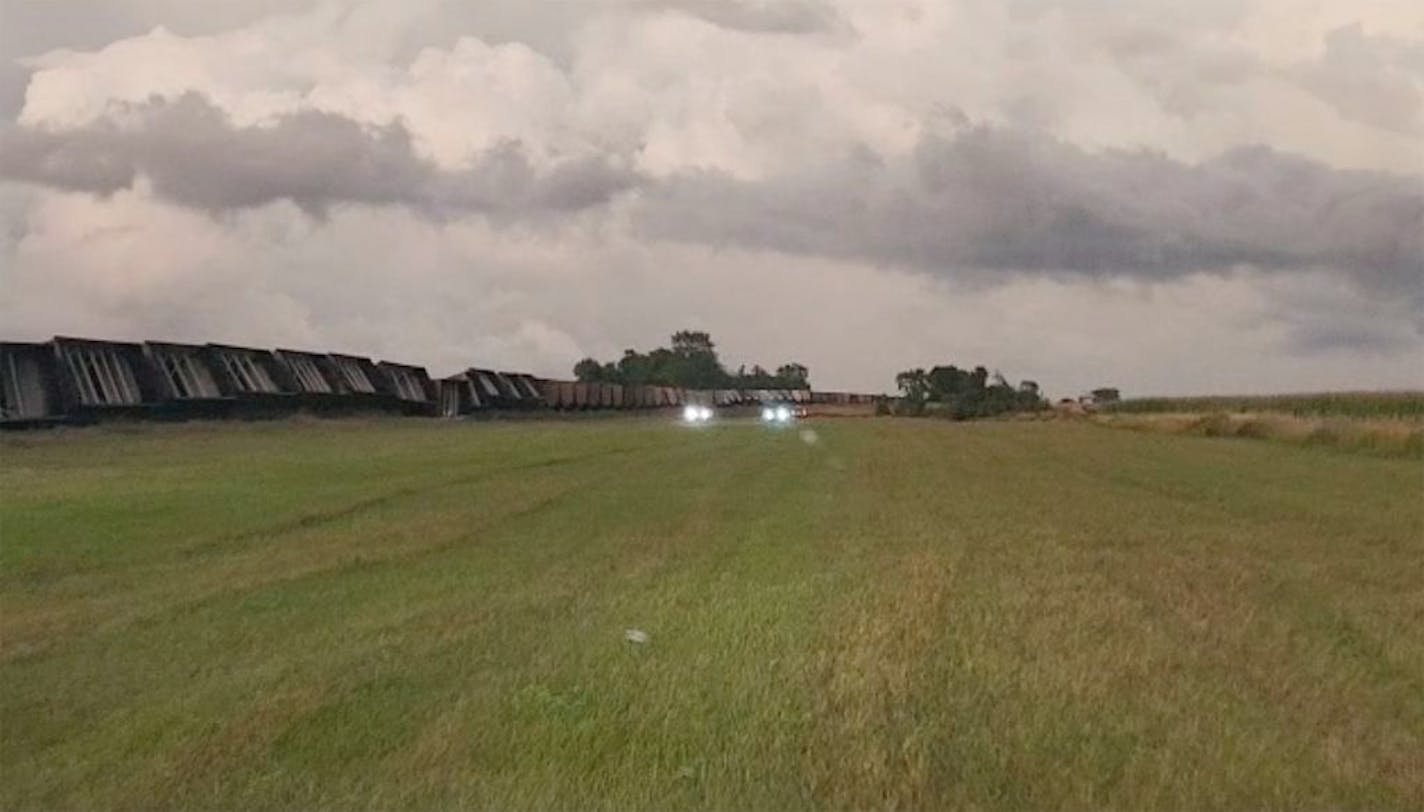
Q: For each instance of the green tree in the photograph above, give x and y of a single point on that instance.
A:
(690, 362)
(794, 376)
(588, 370)
(914, 384)
(693, 342)
(635, 368)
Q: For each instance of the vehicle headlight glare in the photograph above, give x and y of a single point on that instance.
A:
(783, 414)
(691, 414)
(768, 415)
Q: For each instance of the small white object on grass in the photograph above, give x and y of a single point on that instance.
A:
(636, 636)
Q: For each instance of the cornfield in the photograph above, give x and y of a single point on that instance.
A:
(1403, 404)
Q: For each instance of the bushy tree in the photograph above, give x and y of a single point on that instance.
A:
(588, 370)
(690, 362)
(688, 343)
(794, 375)
(914, 384)
(964, 394)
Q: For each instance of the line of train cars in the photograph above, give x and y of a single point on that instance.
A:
(83, 380)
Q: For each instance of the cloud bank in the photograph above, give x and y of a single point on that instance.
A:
(192, 154)
(986, 198)
(1232, 191)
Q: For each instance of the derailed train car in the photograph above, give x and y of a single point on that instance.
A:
(187, 382)
(486, 387)
(526, 391)
(410, 386)
(459, 395)
(29, 393)
(255, 380)
(104, 378)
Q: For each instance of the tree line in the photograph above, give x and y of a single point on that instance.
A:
(691, 363)
(963, 394)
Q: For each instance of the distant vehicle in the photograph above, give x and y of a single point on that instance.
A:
(780, 413)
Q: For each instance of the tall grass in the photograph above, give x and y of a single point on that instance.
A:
(1391, 437)
(1407, 404)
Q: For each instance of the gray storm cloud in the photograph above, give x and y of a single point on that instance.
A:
(193, 155)
(997, 199)
(979, 199)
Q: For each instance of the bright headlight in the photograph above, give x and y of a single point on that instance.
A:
(768, 415)
(691, 414)
(783, 414)
(706, 413)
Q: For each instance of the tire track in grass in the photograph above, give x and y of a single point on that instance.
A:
(50, 575)
(29, 632)
(329, 515)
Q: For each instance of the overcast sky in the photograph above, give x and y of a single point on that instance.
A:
(1170, 197)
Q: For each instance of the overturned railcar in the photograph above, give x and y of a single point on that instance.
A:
(410, 386)
(254, 378)
(29, 392)
(728, 397)
(332, 383)
(362, 383)
(354, 375)
(305, 370)
(530, 395)
(510, 395)
(104, 378)
(489, 388)
(459, 395)
(186, 380)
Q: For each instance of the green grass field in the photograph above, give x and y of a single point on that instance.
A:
(887, 613)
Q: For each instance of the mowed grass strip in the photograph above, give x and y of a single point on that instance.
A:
(842, 614)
